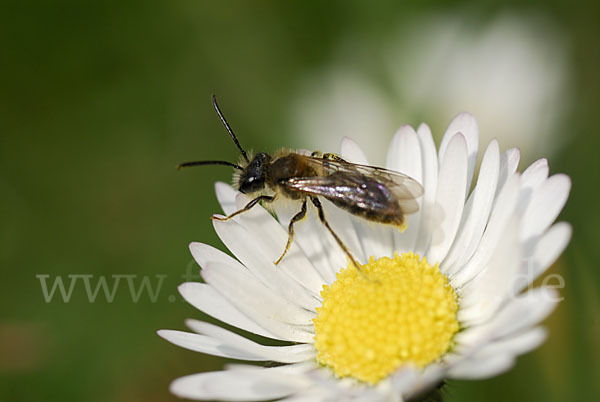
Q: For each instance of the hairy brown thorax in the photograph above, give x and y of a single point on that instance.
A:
(287, 167)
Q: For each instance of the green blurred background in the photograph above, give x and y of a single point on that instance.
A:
(99, 101)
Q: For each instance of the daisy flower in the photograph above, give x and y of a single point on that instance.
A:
(448, 299)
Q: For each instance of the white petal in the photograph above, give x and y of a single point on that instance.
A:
(238, 385)
(243, 244)
(273, 238)
(314, 395)
(477, 211)
(465, 124)
(208, 345)
(234, 230)
(297, 369)
(473, 369)
(205, 344)
(496, 357)
(206, 299)
(508, 166)
(310, 237)
(201, 296)
(421, 381)
(343, 225)
(203, 254)
(309, 397)
(352, 152)
(546, 251)
(376, 239)
(223, 277)
(535, 174)
(269, 310)
(270, 238)
(482, 297)
(546, 203)
(514, 345)
(405, 156)
(450, 198)
(226, 196)
(502, 211)
(520, 313)
(229, 344)
(405, 379)
(531, 179)
(430, 182)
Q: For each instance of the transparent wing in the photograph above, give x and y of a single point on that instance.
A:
(403, 186)
(368, 188)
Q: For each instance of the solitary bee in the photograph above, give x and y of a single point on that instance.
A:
(376, 194)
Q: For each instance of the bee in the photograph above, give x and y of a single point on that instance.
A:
(376, 194)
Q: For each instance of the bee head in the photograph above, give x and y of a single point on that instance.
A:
(253, 177)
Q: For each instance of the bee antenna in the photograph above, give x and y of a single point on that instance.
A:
(228, 128)
(201, 163)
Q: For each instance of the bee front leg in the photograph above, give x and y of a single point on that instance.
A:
(248, 207)
(296, 218)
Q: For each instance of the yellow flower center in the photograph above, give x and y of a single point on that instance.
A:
(404, 315)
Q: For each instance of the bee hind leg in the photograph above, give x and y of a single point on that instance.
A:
(333, 157)
(339, 241)
(248, 207)
(296, 218)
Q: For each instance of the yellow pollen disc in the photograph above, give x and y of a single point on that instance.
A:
(404, 315)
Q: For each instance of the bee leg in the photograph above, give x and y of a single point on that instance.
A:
(333, 157)
(319, 207)
(296, 218)
(248, 207)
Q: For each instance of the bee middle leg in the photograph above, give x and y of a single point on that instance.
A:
(248, 207)
(296, 218)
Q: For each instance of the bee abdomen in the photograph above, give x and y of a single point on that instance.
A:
(390, 215)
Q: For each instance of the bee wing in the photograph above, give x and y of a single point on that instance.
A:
(403, 187)
(359, 185)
